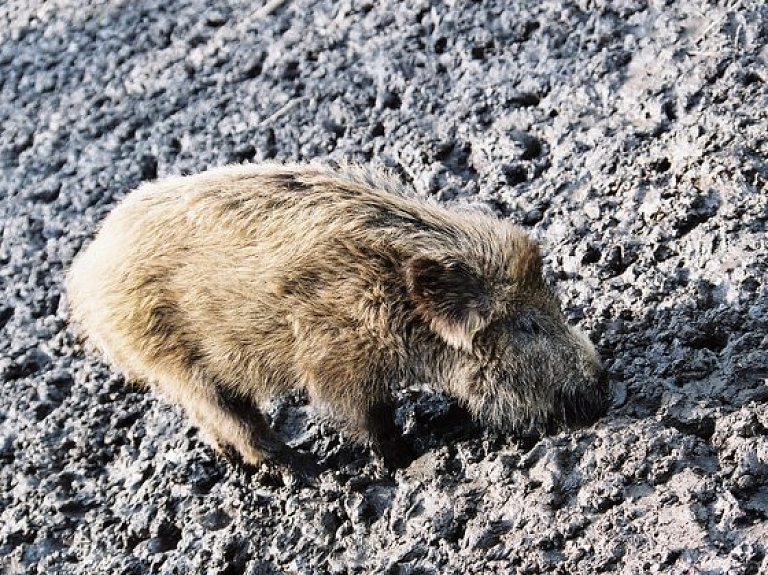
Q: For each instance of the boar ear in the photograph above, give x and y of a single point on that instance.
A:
(450, 297)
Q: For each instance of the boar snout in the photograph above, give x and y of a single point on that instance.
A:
(534, 375)
(582, 406)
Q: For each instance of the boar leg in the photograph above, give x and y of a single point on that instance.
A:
(386, 439)
(364, 407)
(236, 425)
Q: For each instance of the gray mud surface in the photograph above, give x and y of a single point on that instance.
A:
(631, 139)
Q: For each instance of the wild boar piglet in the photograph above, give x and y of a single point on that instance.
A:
(225, 288)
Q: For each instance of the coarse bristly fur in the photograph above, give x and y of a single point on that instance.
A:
(227, 287)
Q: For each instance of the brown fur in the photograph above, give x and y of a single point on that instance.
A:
(228, 287)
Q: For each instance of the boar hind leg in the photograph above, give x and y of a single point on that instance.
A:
(236, 427)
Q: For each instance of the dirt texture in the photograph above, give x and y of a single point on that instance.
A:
(630, 138)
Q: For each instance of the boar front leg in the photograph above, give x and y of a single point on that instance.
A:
(358, 391)
(386, 440)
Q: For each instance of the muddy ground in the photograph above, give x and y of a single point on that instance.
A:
(630, 139)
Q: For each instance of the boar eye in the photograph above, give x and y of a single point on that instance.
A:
(525, 327)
